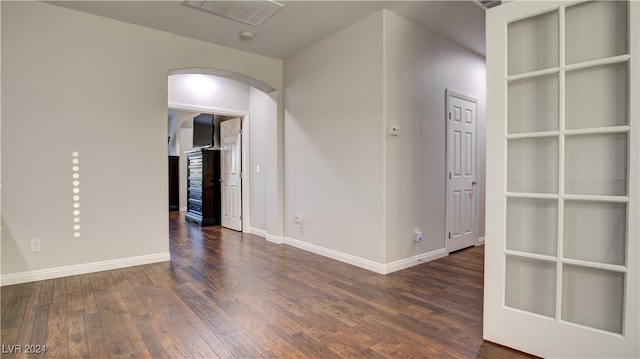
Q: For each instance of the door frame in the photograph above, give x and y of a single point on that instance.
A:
(245, 179)
(476, 226)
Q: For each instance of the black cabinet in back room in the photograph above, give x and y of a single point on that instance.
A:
(203, 187)
(174, 180)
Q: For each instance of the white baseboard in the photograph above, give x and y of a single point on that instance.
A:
(59, 272)
(415, 260)
(258, 232)
(273, 239)
(339, 256)
(269, 237)
(480, 241)
(366, 263)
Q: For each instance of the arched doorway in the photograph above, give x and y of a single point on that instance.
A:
(226, 95)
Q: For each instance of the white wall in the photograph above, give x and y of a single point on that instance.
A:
(77, 82)
(176, 120)
(263, 121)
(333, 142)
(419, 66)
(360, 192)
(208, 92)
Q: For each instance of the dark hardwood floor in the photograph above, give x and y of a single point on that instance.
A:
(231, 295)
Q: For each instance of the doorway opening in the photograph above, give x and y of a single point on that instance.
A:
(246, 176)
(210, 165)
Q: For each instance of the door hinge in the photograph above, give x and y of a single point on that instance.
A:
(449, 115)
(449, 175)
(241, 174)
(449, 235)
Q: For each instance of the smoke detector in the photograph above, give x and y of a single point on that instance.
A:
(246, 35)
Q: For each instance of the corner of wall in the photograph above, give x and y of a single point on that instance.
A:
(418, 66)
(333, 163)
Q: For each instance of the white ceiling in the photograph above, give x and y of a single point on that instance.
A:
(298, 25)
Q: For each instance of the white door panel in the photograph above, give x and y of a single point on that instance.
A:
(230, 171)
(461, 202)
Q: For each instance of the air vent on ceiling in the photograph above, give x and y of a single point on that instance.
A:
(487, 4)
(246, 11)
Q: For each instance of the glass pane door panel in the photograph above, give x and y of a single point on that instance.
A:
(605, 22)
(532, 225)
(533, 104)
(596, 164)
(597, 97)
(595, 231)
(530, 285)
(593, 297)
(562, 187)
(532, 43)
(532, 165)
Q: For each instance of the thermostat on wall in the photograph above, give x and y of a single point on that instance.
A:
(394, 130)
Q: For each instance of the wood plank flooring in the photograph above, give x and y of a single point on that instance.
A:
(231, 295)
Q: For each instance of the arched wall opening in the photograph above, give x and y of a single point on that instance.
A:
(226, 95)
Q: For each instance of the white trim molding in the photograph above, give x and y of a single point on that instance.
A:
(273, 239)
(480, 241)
(59, 272)
(415, 260)
(367, 264)
(207, 109)
(258, 232)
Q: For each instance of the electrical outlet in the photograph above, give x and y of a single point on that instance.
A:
(417, 235)
(35, 245)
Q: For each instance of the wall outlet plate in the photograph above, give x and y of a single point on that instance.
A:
(417, 235)
(35, 246)
(394, 130)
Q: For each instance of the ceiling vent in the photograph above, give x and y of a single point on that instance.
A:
(487, 4)
(245, 11)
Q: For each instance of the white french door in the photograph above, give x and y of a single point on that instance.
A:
(230, 171)
(562, 245)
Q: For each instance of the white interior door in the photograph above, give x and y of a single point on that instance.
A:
(230, 170)
(461, 162)
(562, 246)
